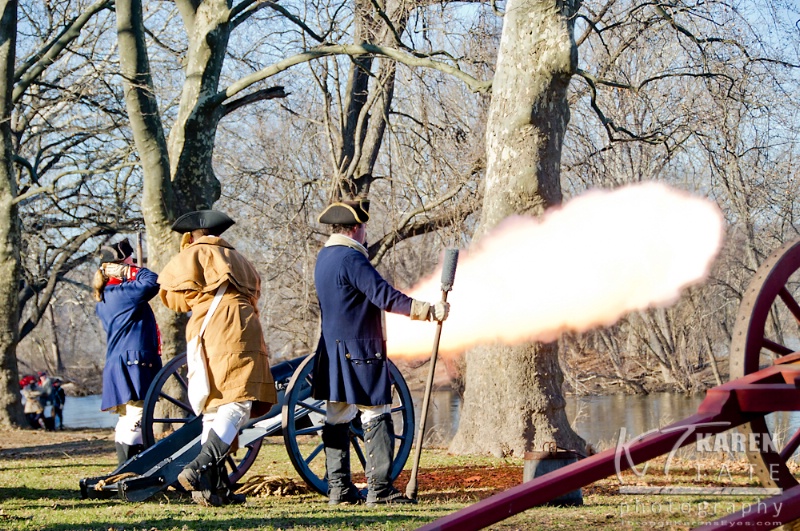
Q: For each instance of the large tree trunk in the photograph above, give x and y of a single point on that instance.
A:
(192, 136)
(158, 200)
(10, 403)
(177, 175)
(512, 400)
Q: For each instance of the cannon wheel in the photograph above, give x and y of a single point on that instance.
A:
(303, 418)
(767, 322)
(169, 388)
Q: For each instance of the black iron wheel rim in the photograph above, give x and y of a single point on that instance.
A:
(293, 409)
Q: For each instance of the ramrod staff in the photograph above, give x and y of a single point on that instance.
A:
(448, 275)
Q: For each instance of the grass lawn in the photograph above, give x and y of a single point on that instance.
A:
(39, 491)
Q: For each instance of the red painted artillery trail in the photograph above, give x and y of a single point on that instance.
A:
(725, 407)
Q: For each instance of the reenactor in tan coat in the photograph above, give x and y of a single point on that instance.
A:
(238, 369)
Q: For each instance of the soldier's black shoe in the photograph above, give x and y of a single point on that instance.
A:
(349, 496)
(228, 497)
(206, 498)
(194, 479)
(225, 490)
(390, 496)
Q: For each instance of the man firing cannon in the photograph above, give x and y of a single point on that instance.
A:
(351, 369)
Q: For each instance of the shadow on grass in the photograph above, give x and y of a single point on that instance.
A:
(72, 449)
(46, 497)
(109, 466)
(345, 521)
(187, 516)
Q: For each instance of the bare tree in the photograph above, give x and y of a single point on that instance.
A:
(527, 122)
(693, 95)
(178, 172)
(56, 124)
(10, 407)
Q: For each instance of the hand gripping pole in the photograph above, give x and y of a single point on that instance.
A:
(448, 275)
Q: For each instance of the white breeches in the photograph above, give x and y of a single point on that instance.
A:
(342, 412)
(226, 420)
(129, 425)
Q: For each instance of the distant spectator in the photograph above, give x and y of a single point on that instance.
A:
(60, 398)
(33, 408)
(47, 400)
(26, 380)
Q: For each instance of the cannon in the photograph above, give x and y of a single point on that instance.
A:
(765, 378)
(173, 441)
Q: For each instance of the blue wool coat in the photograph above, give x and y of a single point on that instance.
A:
(351, 364)
(132, 358)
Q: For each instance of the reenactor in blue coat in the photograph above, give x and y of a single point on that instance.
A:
(351, 370)
(122, 292)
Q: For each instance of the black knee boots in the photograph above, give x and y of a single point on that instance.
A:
(336, 438)
(126, 451)
(225, 489)
(379, 447)
(206, 476)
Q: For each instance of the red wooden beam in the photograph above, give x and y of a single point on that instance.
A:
(721, 414)
(775, 388)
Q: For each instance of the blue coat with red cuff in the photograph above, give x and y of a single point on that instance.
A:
(132, 357)
(351, 364)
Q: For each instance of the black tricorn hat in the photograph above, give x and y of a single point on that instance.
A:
(116, 252)
(346, 213)
(215, 221)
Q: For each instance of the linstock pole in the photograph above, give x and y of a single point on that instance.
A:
(448, 275)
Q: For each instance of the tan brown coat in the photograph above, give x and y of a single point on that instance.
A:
(238, 361)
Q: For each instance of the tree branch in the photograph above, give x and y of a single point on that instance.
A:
(408, 227)
(474, 84)
(608, 123)
(61, 266)
(716, 40)
(244, 9)
(28, 71)
(259, 95)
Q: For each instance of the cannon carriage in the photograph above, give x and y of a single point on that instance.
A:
(171, 433)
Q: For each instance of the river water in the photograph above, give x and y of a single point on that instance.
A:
(597, 419)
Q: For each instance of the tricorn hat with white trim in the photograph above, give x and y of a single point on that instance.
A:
(215, 221)
(346, 213)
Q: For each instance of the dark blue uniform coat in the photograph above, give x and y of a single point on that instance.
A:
(132, 359)
(351, 364)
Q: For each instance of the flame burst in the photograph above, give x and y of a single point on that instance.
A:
(582, 265)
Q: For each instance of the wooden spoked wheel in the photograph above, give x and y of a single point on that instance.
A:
(166, 409)
(768, 328)
(303, 418)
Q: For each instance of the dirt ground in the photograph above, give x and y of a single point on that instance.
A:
(19, 443)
